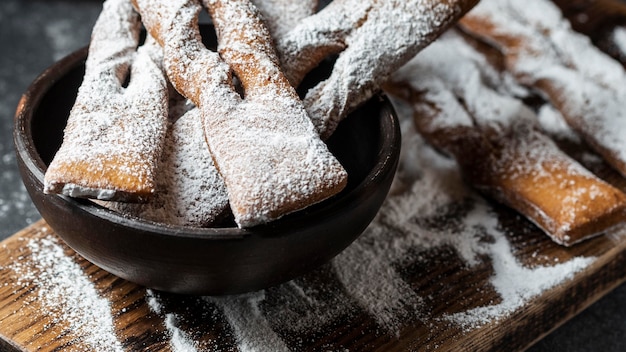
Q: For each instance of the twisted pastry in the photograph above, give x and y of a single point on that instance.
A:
(189, 190)
(263, 145)
(498, 145)
(373, 39)
(114, 134)
(543, 52)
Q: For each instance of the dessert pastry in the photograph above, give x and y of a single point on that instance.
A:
(542, 51)
(263, 144)
(115, 133)
(496, 141)
(189, 190)
(372, 40)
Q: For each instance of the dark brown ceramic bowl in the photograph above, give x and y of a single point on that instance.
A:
(210, 260)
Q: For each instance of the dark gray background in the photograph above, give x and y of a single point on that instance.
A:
(34, 34)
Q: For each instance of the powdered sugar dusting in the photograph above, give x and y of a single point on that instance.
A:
(114, 135)
(404, 28)
(515, 283)
(68, 294)
(264, 146)
(189, 190)
(425, 185)
(179, 340)
(367, 278)
(252, 330)
(428, 186)
(437, 188)
(542, 51)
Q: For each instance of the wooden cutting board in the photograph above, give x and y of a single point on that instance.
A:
(451, 273)
(438, 272)
(51, 299)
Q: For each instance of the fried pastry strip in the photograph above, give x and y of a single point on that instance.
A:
(263, 145)
(189, 190)
(543, 52)
(499, 147)
(114, 135)
(373, 39)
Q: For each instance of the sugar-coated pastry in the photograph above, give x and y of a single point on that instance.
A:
(263, 144)
(114, 134)
(372, 39)
(497, 143)
(189, 190)
(543, 52)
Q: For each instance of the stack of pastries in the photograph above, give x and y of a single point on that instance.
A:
(469, 93)
(173, 132)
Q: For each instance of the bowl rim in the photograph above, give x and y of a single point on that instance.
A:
(385, 162)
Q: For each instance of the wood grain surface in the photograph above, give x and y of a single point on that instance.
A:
(28, 324)
(39, 310)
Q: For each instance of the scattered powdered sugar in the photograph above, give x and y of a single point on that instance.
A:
(252, 330)
(179, 340)
(367, 274)
(365, 278)
(437, 188)
(68, 294)
(515, 283)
